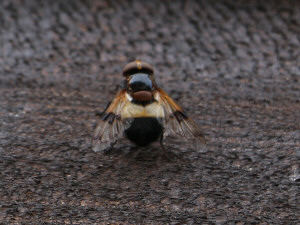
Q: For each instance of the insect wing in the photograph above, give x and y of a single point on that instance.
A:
(112, 125)
(175, 120)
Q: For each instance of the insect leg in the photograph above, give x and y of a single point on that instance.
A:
(118, 86)
(100, 114)
(161, 142)
(106, 151)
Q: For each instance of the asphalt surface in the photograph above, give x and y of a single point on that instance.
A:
(233, 65)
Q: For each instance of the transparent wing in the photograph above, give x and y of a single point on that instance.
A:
(112, 125)
(175, 120)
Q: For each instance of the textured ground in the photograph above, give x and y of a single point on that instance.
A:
(234, 67)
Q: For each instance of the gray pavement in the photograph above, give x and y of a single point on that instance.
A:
(234, 66)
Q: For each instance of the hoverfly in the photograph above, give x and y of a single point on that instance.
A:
(143, 112)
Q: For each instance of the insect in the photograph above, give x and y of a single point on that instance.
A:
(143, 112)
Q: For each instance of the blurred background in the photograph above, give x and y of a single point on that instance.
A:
(233, 65)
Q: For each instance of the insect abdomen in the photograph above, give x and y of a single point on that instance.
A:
(144, 130)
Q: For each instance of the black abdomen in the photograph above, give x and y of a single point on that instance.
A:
(144, 130)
